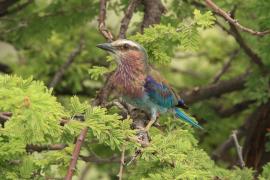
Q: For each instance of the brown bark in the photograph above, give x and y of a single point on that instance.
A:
(101, 21)
(39, 148)
(254, 147)
(75, 154)
(233, 21)
(128, 15)
(214, 90)
(153, 10)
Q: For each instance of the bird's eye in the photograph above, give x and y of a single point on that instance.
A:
(125, 46)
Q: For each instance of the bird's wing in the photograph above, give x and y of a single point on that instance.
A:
(160, 91)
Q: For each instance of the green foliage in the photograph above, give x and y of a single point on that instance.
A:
(159, 40)
(45, 33)
(266, 172)
(204, 20)
(109, 128)
(175, 155)
(96, 72)
(258, 88)
(31, 121)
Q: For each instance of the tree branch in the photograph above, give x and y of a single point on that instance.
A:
(101, 21)
(59, 74)
(226, 145)
(128, 15)
(233, 21)
(75, 154)
(256, 140)
(235, 33)
(248, 51)
(234, 109)
(214, 90)
(30, 148)
(225, 67)
(239, 149)
(241, 132)
(122, 163)
(153, 10)
(98, 160)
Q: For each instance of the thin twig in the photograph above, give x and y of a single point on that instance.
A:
(127, 17)
(226, 145)
(75, 154)
(122, 163)
(134, 157)
(239, 149)
(59, 74)
(99, 160)
(233, 21)
(101, 21)
(225, 67)
(39, 148)
(254, 57)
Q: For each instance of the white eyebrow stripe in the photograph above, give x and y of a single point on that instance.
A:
(124, 41)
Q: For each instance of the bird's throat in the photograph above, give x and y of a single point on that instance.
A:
(129, 77)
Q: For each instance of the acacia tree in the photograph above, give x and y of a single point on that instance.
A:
(219, 58)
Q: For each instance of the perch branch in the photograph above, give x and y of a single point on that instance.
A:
(101, 21)
(233, 21)
(128, 15)
(75, 154)
(239, 149)
(59, 74)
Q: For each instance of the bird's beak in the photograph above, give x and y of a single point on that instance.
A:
(107, 47)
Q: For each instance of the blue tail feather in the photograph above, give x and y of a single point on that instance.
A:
(181, 115)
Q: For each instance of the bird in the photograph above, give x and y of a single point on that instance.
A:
(141, 85)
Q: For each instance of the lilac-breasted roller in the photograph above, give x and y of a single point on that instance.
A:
(140, 85)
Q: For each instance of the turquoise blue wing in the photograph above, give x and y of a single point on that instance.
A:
(160, 93)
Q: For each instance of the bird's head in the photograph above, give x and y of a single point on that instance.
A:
(125, 50)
